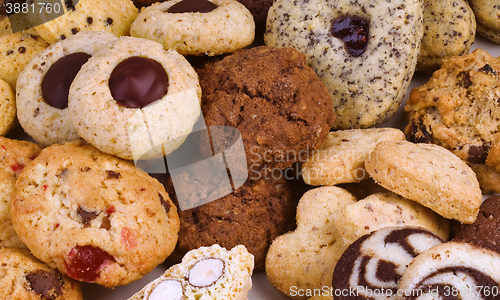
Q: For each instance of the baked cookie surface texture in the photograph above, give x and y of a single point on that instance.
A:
(135, 100)
(93, 216)
(204, 273)
(458, 109)
(7, 108)
(488, 20)
(25, 277)
(365, 53)
(196, 27)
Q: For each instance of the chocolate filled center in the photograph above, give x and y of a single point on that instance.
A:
(192, 6)
(138, 81)
(353, 31)
(58, 79)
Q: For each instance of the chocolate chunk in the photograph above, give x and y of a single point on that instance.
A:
(106, 223)
(46, 284)
(478, 154)
(112, 174)
(56, 83)
(87, 216)
(192, 6)
(354, 31)
(419, 133)
(138, 81)
(165, 204)
(465, 80)
(487, 69)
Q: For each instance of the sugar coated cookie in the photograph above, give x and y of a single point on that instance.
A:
(94, 217)
(452, 270)
(274, 99)
(428, 174)
(204, 273)
(373, 265)
(25, 277)
(7, 108)
(43, 87)
(14, 156)
(197, 27)
(488, 22)
(365, 53)
(457, 109)
(342, 157)
(122, 112)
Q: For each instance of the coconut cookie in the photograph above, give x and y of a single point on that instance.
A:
(458, 109)
(43, 87)
(93, 216)
(14, 156)
(197, 27)
(449, 30)
(428, 174)
(204, 273)
(374, 263)
(25, 277)
(365, 53)
(329, 219)
(7, 108)
(114, 16)
(452, 270)
(488, 21)
(135, 100)
(342, 157)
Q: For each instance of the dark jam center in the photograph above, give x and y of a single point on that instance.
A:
(192, 6)
(85, 262)
(56, 83)
(354, 31)
(138, 81)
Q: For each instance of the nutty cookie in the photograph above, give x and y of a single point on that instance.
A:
(135, 100)
(43, 87)
(449, 30)
(14, 156)
(274, 99)
(365, 53)
(458, 109)
(204, 273)
(196, 27)
(7, 108)
(25, 277)
(488, 20)
(94, 217)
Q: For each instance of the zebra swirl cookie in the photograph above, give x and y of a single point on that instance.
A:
(365, 53)
(374, 264)
(197, 27)
(93, 216)
(43, 87)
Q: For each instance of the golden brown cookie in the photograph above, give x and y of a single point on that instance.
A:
(7, 108)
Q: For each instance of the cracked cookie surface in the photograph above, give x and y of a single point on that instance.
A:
(93, 216)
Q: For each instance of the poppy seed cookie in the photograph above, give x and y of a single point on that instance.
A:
(488, 21)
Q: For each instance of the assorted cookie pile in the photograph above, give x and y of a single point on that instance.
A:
(331, 204)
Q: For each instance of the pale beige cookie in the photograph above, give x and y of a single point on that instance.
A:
(428, 174)
(25, 277)
(366, 77)
(114, 16)
(449, 30)
(328, 220)
(14, 156)
(93, 216)
(124, 119)
(197, 27)
(16, 50)
(43, 86)
(204, 273)
(342, 157)
(488, 20)
(7, 108)
(453, 270)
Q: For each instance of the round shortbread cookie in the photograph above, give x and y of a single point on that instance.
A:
(25, 277)
(43, 87)
(368, 76)
(428, 174)
(452, 270)
(94, 217)
(342, 157)
(121, 111)
(7, 108)
(197, 27)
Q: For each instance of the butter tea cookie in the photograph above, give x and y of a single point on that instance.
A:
(135, 100)
(197, 27)
(43, 87)
(8, 118)
(488, 22)
(93, 216)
